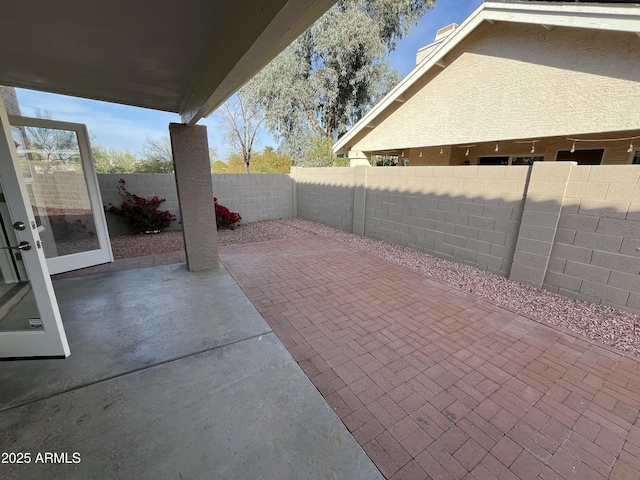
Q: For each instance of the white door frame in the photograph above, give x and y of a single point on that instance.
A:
(65, 263)
(50, 340)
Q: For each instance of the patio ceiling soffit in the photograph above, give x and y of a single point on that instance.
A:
(181, 57)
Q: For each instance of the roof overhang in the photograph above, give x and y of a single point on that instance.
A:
(614, 17)
(183, 57)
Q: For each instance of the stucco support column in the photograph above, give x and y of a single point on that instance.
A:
(356, 157)
(195, 195)
(542, 208)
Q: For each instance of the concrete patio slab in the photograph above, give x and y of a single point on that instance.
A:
(172, 375)
(437, 383)
(123, 321)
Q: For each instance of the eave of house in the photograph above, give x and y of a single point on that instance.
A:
(182, 57)
(613, 17)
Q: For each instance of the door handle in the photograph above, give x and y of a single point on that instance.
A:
(21, 246)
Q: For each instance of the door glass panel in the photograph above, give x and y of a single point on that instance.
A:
(55, 179)
(18, 308)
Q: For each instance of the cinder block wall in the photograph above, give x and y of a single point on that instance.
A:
(255, 196)
(61, 190)
(570, 229)
(468, 214)
(596, 252)
(325, 195)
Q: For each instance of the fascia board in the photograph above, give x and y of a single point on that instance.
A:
(621, 18)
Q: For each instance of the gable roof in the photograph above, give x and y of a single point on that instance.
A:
(613, 17)
(184, 57)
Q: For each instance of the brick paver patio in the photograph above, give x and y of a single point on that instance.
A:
(436, 383)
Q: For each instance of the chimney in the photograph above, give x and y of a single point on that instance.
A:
(443, 33)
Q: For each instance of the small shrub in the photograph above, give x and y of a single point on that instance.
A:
(140, 214)
(225, 218)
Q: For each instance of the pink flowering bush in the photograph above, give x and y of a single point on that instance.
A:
(140, 214)
(225, 218)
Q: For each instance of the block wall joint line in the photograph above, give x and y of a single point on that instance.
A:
(555, 227)
(520, 271)
(364, 200)
(294, 190)
(359, 198)
(354, 213)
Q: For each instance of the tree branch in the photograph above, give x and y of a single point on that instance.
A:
(315, 125)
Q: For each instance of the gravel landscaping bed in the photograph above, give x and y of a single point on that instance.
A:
(141, 245)
(607, 325)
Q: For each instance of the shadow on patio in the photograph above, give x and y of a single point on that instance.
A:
(172, 375)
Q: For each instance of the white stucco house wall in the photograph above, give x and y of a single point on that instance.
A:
(515, 82)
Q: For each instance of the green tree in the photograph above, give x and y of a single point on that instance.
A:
(270, 161)
(112, 160)
(267, 161)
(157, 156)
(218, 166)
(235, 164)
(335, 72)
(320, 153)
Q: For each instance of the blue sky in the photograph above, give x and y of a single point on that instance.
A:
(126, 128)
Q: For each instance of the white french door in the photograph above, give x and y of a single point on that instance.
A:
(30, 322)
(61, 182)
